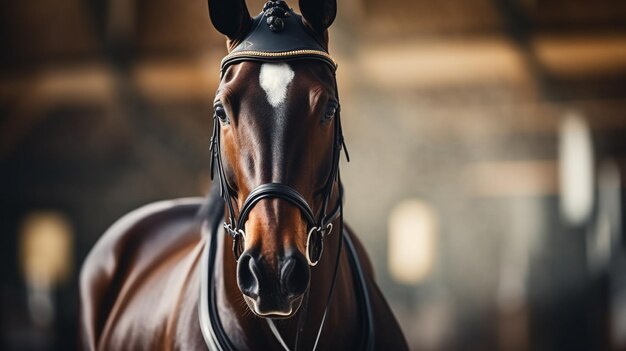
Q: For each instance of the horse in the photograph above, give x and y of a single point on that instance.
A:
(264, 262)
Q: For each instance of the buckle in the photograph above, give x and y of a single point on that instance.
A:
(315, 247)
(232, 232)
(238, 239)
(327, 230)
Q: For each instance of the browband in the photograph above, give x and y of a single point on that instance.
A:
(265, 56)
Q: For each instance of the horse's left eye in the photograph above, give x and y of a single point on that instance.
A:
(220, 113)
(331, 110)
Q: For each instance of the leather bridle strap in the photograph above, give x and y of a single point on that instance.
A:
(210, 322)
(263, 45)
(278, 191)
(318, 227)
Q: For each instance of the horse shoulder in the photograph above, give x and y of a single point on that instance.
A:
(131, 245)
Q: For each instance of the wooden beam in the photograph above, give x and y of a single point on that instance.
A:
(582, 55)
(439, 63)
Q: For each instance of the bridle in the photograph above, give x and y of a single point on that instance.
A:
(320, 224)
(294, 42)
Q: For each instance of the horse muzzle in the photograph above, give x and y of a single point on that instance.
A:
(273, 290)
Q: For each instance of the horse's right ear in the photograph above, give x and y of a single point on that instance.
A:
(230, 17)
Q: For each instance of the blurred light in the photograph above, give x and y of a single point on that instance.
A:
(176, 80)
(575, 169)
(412, 241)
(610, 199)
(618, 310)
(520, 178)
(581, 55)
(46, 259)
(424, 63)
(604, 237)
(90, 82)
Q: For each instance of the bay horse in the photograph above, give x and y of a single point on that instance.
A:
(253, 266)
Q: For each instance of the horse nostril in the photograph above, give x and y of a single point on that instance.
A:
(248, 275)
(294, 275)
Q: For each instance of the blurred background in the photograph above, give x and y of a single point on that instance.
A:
(488, 140)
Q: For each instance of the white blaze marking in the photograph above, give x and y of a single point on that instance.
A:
(274, 79)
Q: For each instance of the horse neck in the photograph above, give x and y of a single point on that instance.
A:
(247, 331)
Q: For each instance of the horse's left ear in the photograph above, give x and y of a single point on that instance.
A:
(319, 14)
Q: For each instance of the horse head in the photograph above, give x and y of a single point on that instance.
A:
(276, 145)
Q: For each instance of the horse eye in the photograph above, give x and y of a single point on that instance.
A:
(331, 110)
(221, 113)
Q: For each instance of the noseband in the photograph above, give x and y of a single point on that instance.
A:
(285, 38)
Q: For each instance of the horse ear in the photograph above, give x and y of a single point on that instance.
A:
(319, 14)
(230, 17)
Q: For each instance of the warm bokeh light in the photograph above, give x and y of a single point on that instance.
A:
(46, 248)
(412, 242)
(46, 255)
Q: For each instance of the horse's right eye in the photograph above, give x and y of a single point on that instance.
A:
(220, 113)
